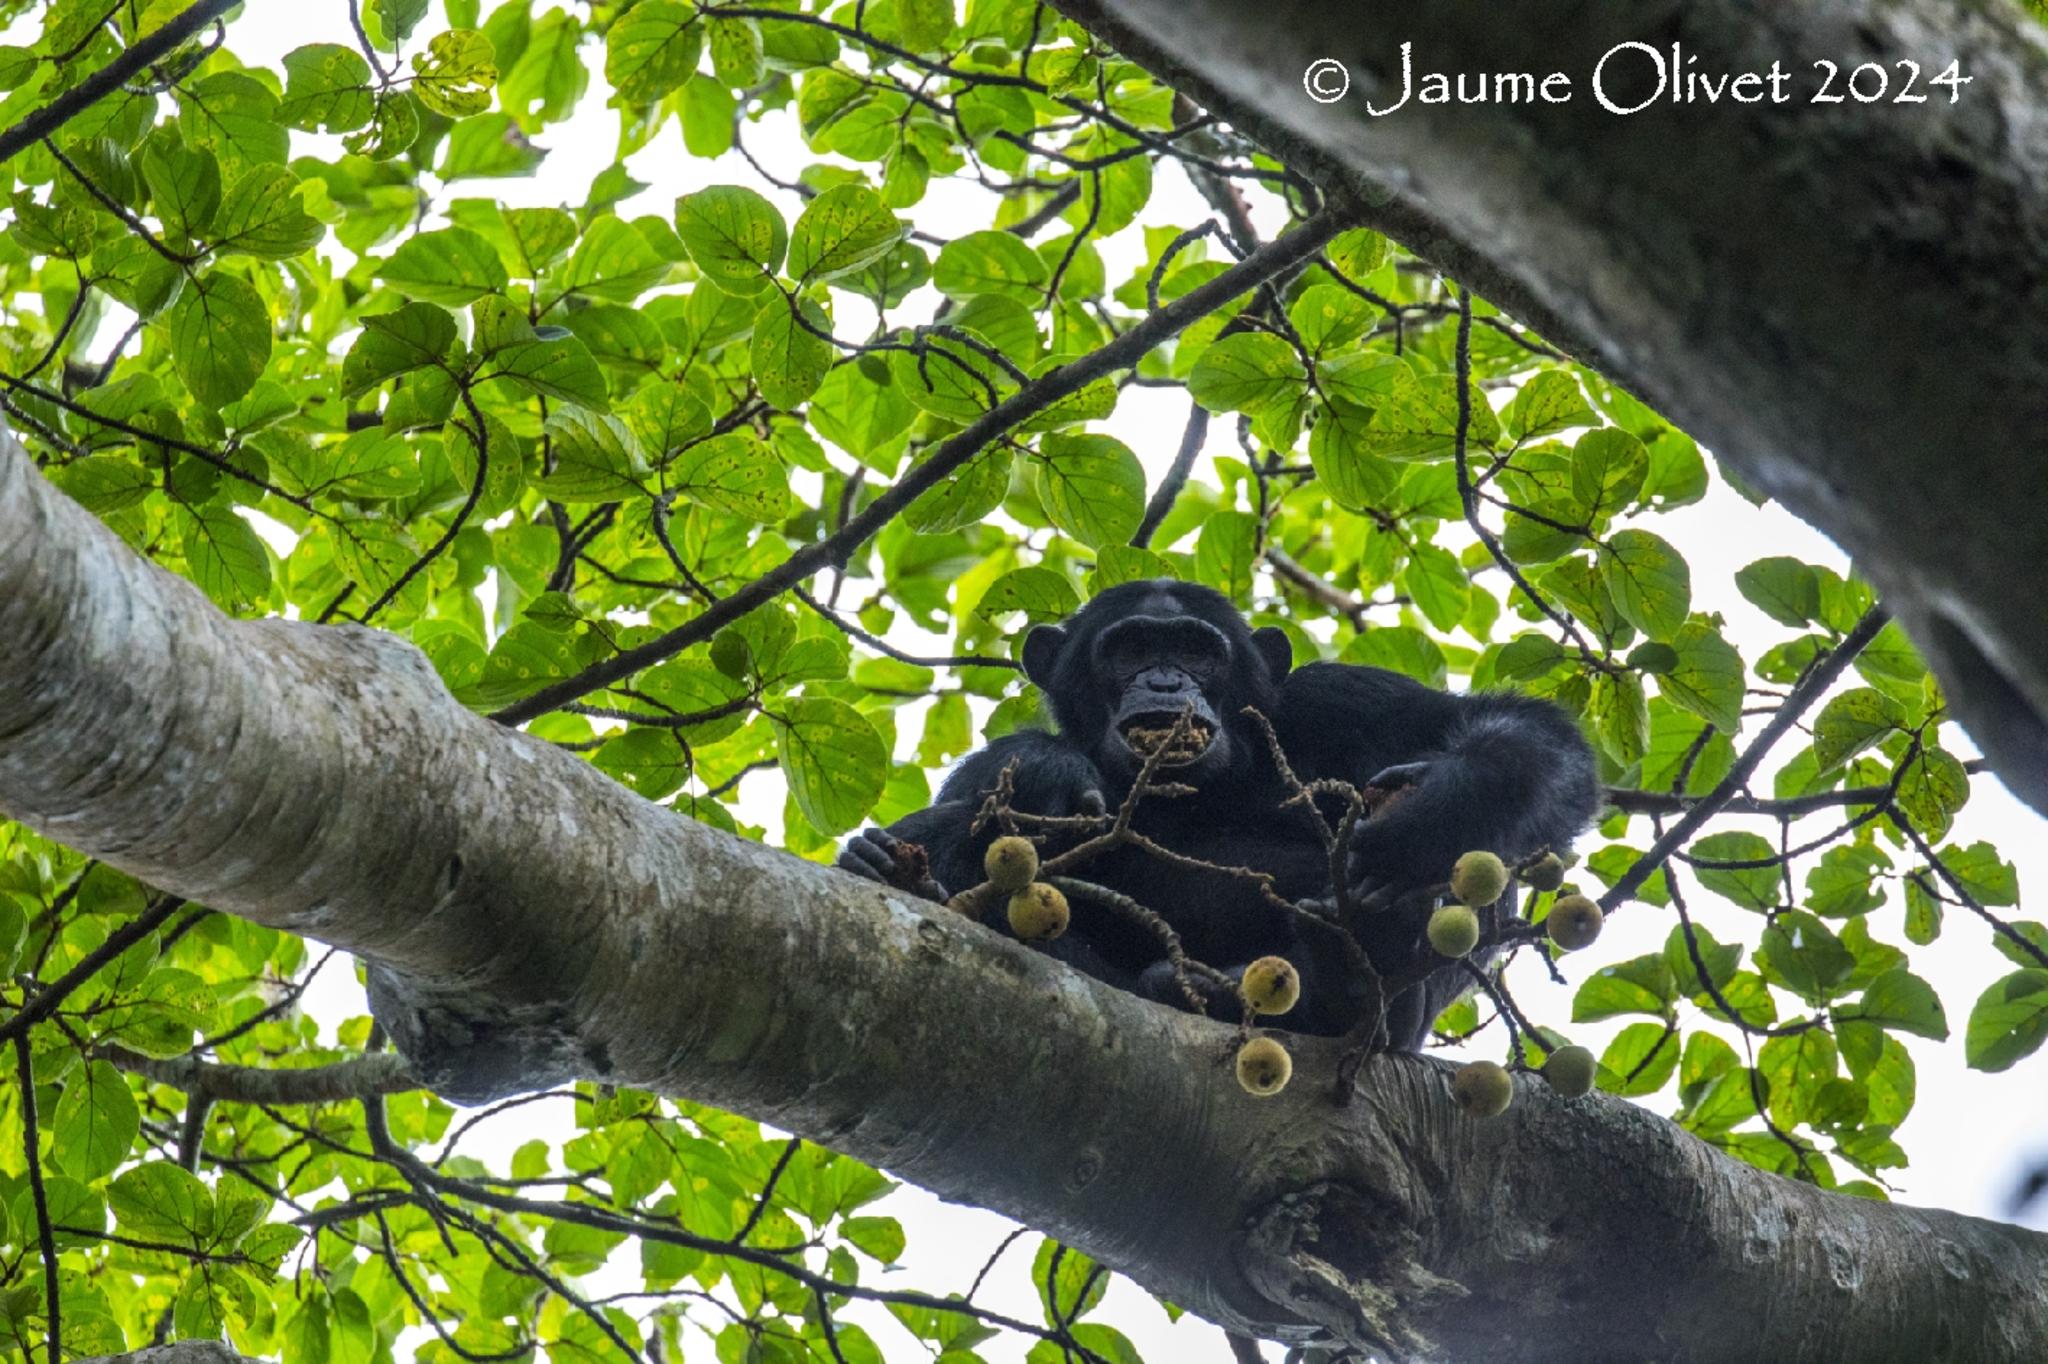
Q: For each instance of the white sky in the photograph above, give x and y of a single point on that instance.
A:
(1970, 1134)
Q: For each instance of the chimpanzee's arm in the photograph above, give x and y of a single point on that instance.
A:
(1492, 770)
(1050, 778)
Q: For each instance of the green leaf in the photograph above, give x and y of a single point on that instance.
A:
(1890, 661)
(394, 343)
(1902, 1001)
(880, 1237)
(372, 464)
(734, 235)
(1549, 403)
(327, 89)
(708, 111)
(1339, 447)
(1720, 960)
(1754, 888)
(1640, 1060)
(1608, 466)
(1247, 372)
(963, 497)
(651, 49)
(1986, 875)
(2008, 1022)
(1643, 985)
(614, 261)
(834, 760)
(925, 24)
(97, 1120)
(791, 359)
(1328, 318)
(666, 417)
(2027, 946)
(991, 263)
(560, 367)
(1852, 722)
(220, 337)
(1798, 1067)
(736, 52)
(1707, 678)
(596, 459)
(845, 229)
(1934, 786)
(261, 216)
(160, 1202)
(394, 20)
(735, 473)
(1070, 1284)
(184, 186)
(1227, 552)
(947, 377)
(1093, 488)
(1124, 564)
(104, 484)
(1417, 419)
(486, 146)
(1041, 594)
(1437, 584)
(134, 275)
(1801, 954)
(453, 266)
(1402, 649)
(1620, 715)
(236, 117)
(456, 74)
(1650, 582)
(1842, 885)
(1784, 589)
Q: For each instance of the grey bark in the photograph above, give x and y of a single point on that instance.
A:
(178, 1352)
(1844, 301)
(531, 920)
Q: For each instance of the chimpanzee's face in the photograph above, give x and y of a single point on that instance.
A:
(1157, 667)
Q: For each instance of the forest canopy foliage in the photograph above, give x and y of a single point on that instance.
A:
(741, 474)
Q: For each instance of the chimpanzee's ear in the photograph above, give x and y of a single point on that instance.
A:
(1042, 653)
(1275, 648)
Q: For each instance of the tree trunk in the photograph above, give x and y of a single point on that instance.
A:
(1844, 300)
(529, 920)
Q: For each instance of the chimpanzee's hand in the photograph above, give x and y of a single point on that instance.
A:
(1158, 982)
(879, 855)
(1060, 785)
(1422, 819)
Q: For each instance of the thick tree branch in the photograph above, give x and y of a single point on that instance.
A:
(1720, 259)
(363, 1076)
(528, 919)
(178, 1352)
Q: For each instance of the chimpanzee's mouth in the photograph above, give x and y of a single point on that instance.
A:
(1176, 744)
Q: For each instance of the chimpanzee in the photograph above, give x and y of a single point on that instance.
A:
(1491, 770)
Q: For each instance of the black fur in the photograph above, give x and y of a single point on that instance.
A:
(1494, 770)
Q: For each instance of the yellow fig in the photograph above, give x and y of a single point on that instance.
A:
(1545, 873)
(1483, 1089)
(1574, 922)
(1011, 863)
(1454, 930)
(1271, 985)
(1570, 1071)
(1479, 878)
(1038, 913)
(1263, 1067)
